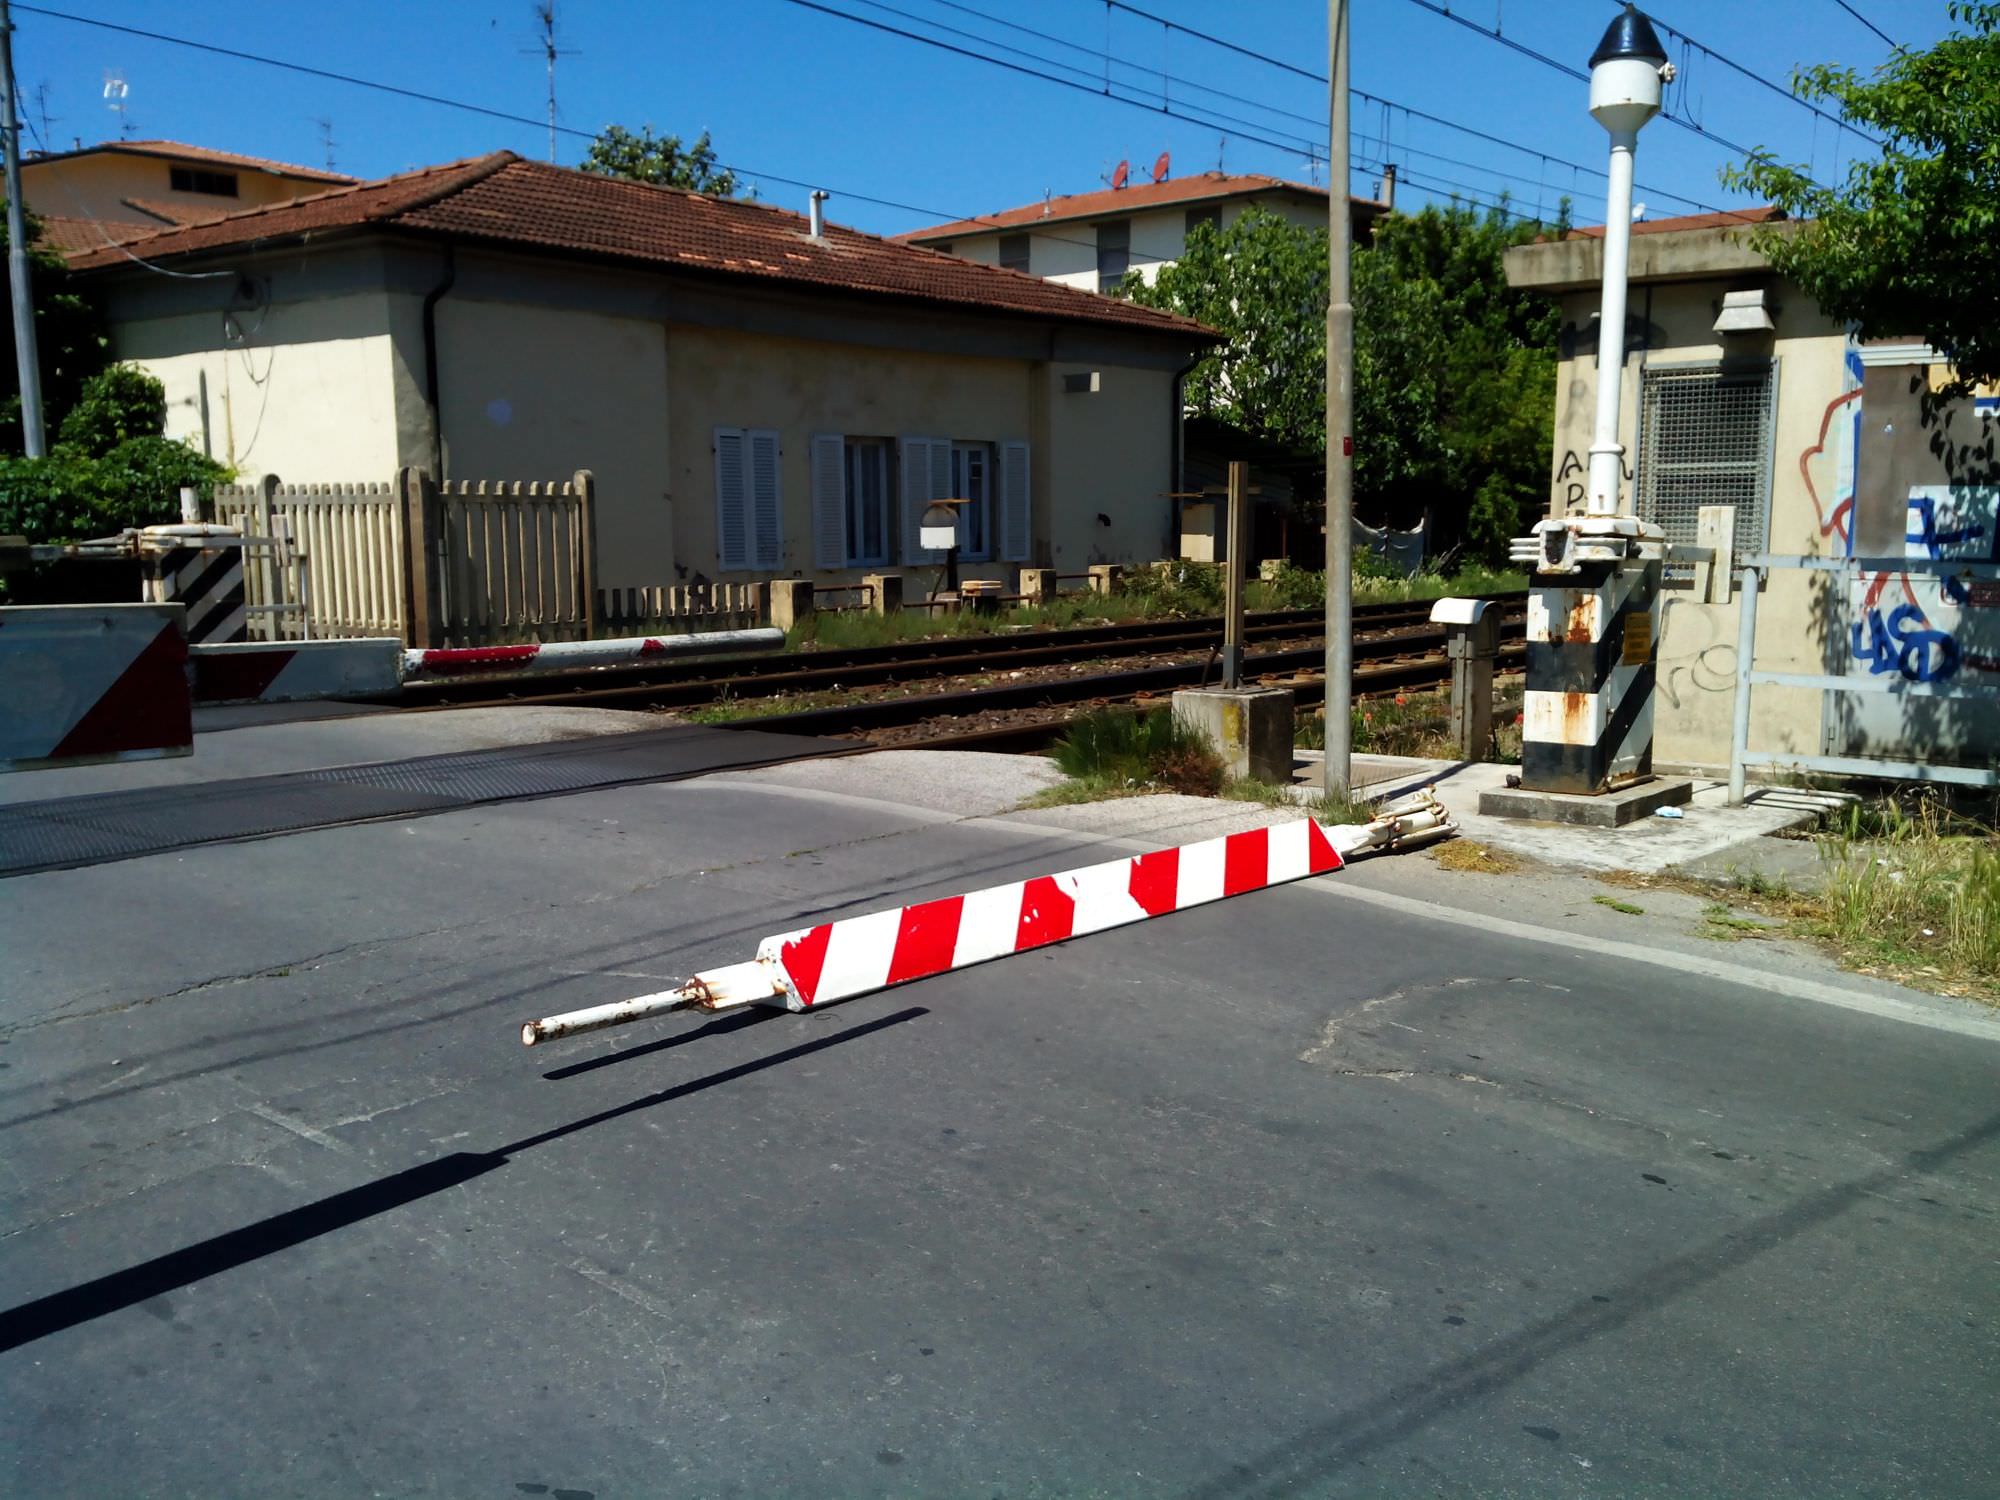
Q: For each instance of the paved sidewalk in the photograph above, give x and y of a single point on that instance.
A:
(1710, 837)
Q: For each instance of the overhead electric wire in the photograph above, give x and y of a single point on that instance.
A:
(1868, 23)
(1176, 81)
(446, 102)
(1729, 62)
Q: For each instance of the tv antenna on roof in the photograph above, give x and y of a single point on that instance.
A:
(115, 94)
(326, 139)
(1161, 167)
(47, 119)
(545, 17)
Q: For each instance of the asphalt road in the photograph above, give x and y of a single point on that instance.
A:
(1291, 1195)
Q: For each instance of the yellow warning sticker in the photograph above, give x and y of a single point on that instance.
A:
(1638, 639)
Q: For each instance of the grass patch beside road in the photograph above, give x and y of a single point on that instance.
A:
(1118, 753)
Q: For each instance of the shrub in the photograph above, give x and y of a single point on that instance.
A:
(1176, 588)
(1118, 749)
(70, 496)
(115, 404)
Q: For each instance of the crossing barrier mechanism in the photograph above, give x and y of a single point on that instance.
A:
(853, 956)
(93, 682)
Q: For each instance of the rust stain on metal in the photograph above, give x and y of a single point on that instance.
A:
(1576, 719)
(1578, 629)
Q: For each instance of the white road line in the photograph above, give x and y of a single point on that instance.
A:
(299, 1128)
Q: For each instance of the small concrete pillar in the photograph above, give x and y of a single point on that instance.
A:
(1038, 585)
(980, 596)
(791, 601)
(1104, 577)
(885, 595)
(1472, 640)
(1250, 728)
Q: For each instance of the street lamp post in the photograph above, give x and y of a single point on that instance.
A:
(1587, 715)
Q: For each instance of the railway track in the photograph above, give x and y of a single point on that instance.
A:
(697, 683)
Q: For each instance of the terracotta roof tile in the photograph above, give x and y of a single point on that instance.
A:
(178, 151)
(73, 236)
(504, 200)
(1731, 219)
(174, 213)
(1201, 188)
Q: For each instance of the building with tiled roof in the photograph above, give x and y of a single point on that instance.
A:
(754, 398)
(1091, 240)
(108, 193)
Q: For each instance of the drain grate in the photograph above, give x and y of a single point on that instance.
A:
(66, 832)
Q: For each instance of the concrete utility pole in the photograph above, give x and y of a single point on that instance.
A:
(1339, 421)
(17, 254)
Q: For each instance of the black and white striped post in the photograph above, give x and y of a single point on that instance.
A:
(1594, 600)
(201, 567)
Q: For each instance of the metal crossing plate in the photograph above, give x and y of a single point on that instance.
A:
(65, 832)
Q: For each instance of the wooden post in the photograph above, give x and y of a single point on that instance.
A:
(1233, 569)
(586, 494)
(1715, 527)
(265, 627)
(423, 541)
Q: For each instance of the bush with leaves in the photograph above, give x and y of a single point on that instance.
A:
(1179, 589)
(111, 468)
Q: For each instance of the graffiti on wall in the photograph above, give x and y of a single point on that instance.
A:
(1931, 627)
(1573, 481)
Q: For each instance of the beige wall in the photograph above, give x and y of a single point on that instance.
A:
(1796, 631)
(726, 379)
(95, 187)
(529, 392)
(300, 389)
(1109, 455)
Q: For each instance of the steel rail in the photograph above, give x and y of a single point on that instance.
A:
(911, 657)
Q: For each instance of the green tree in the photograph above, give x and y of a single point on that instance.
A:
(661, 159)
(1454, 372)
(1263, 282)
(1909, 244)
(110, 468)
(71, 343)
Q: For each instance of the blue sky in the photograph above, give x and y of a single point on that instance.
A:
(792, 93)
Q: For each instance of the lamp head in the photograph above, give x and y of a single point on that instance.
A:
(1627, 72)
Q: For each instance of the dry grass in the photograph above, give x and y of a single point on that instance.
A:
(1464, 854)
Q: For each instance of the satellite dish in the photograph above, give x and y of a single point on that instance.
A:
(1161, 166)
(1120, 173)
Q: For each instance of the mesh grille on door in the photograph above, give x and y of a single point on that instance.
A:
(1705, 439)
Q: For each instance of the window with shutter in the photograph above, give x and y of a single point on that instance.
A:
(1114, 253)
(833, 542)
(972, 482)
(1015, 512)
(926, 477)
(732, 500)
(1014, 251)
(765, 513)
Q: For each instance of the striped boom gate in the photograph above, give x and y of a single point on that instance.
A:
(1587, 711)
(833, 961)
(83, 683)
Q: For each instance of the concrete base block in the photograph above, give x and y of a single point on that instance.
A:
(886, 593)
(791, 601)
(1250, 728)
(1608, 810)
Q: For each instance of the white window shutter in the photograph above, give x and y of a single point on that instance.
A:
(1014, 508)
(829, 500)
(732, 509)
(765, 512)
(919, 465)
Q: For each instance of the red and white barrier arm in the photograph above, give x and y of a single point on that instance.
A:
(855, 955)
(549, 656)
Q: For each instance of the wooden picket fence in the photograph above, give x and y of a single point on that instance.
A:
(465, 563)
(681, 608)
